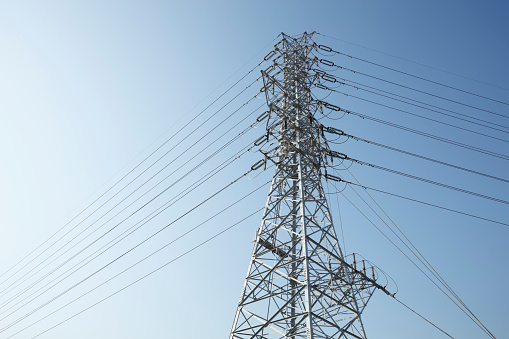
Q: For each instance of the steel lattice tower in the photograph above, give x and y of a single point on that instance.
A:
(298, 284)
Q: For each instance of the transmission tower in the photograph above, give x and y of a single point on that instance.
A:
(299, 284)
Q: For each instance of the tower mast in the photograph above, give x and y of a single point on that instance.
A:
(298, 284)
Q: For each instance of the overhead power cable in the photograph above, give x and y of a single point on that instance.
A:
(432, 205)
(330, 50)
(430, 181)
(425, 158)
(330, 63)
(420, 257)
(421, 116)
(123, 177)
(136, 226)
(413, 262)
(432, 270)
(160, 170)
(143, 222)
(428, 135)
(422, 202)
(130, 284)
(345, 83)
(231, 141)
(126, 252)
(415, 62)
(395, 245)
(411, 251)
(422, 317)
(430, 105)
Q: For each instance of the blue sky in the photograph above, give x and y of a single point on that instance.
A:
(87, 88)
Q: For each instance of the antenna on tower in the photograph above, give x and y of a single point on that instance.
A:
(299, 284)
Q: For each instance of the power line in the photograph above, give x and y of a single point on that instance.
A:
(328, 49)
(454, 188)
(428, 135)
(125, 253)
(328, 77)
(415, 62)
(408, 258)
(147, 219)
(131, 171)
(152, 215)
(430, 204)
(174, 159)
(425, 158)
(424, 261)
(422, 317)
(129, 285)
(421, 116)
(234, 157)
(430, 105)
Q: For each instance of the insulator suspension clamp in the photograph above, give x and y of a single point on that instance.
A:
(260, 140)
(328, 77)
(333, 130)
(270, 55)
(327, 62)
(262, 116)
(322, 86)
(258, 164)
(319, 72)
(331, 106)
(333, 177)
(338, 155)
(325, 48)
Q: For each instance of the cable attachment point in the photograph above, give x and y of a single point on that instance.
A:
(270, 55)
(262, 116)
(325, 48)
(333, 130)
(327, 62)
(260, 140)
(318, 85)
(319, 72)
(330, 106)
(338, 155)
(329, 78)
(258, 164)
(332, 177)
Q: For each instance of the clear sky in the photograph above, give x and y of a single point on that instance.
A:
(86, 87)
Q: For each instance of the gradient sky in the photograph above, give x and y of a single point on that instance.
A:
(87, 86)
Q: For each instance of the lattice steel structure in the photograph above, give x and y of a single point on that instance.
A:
(299, 285)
